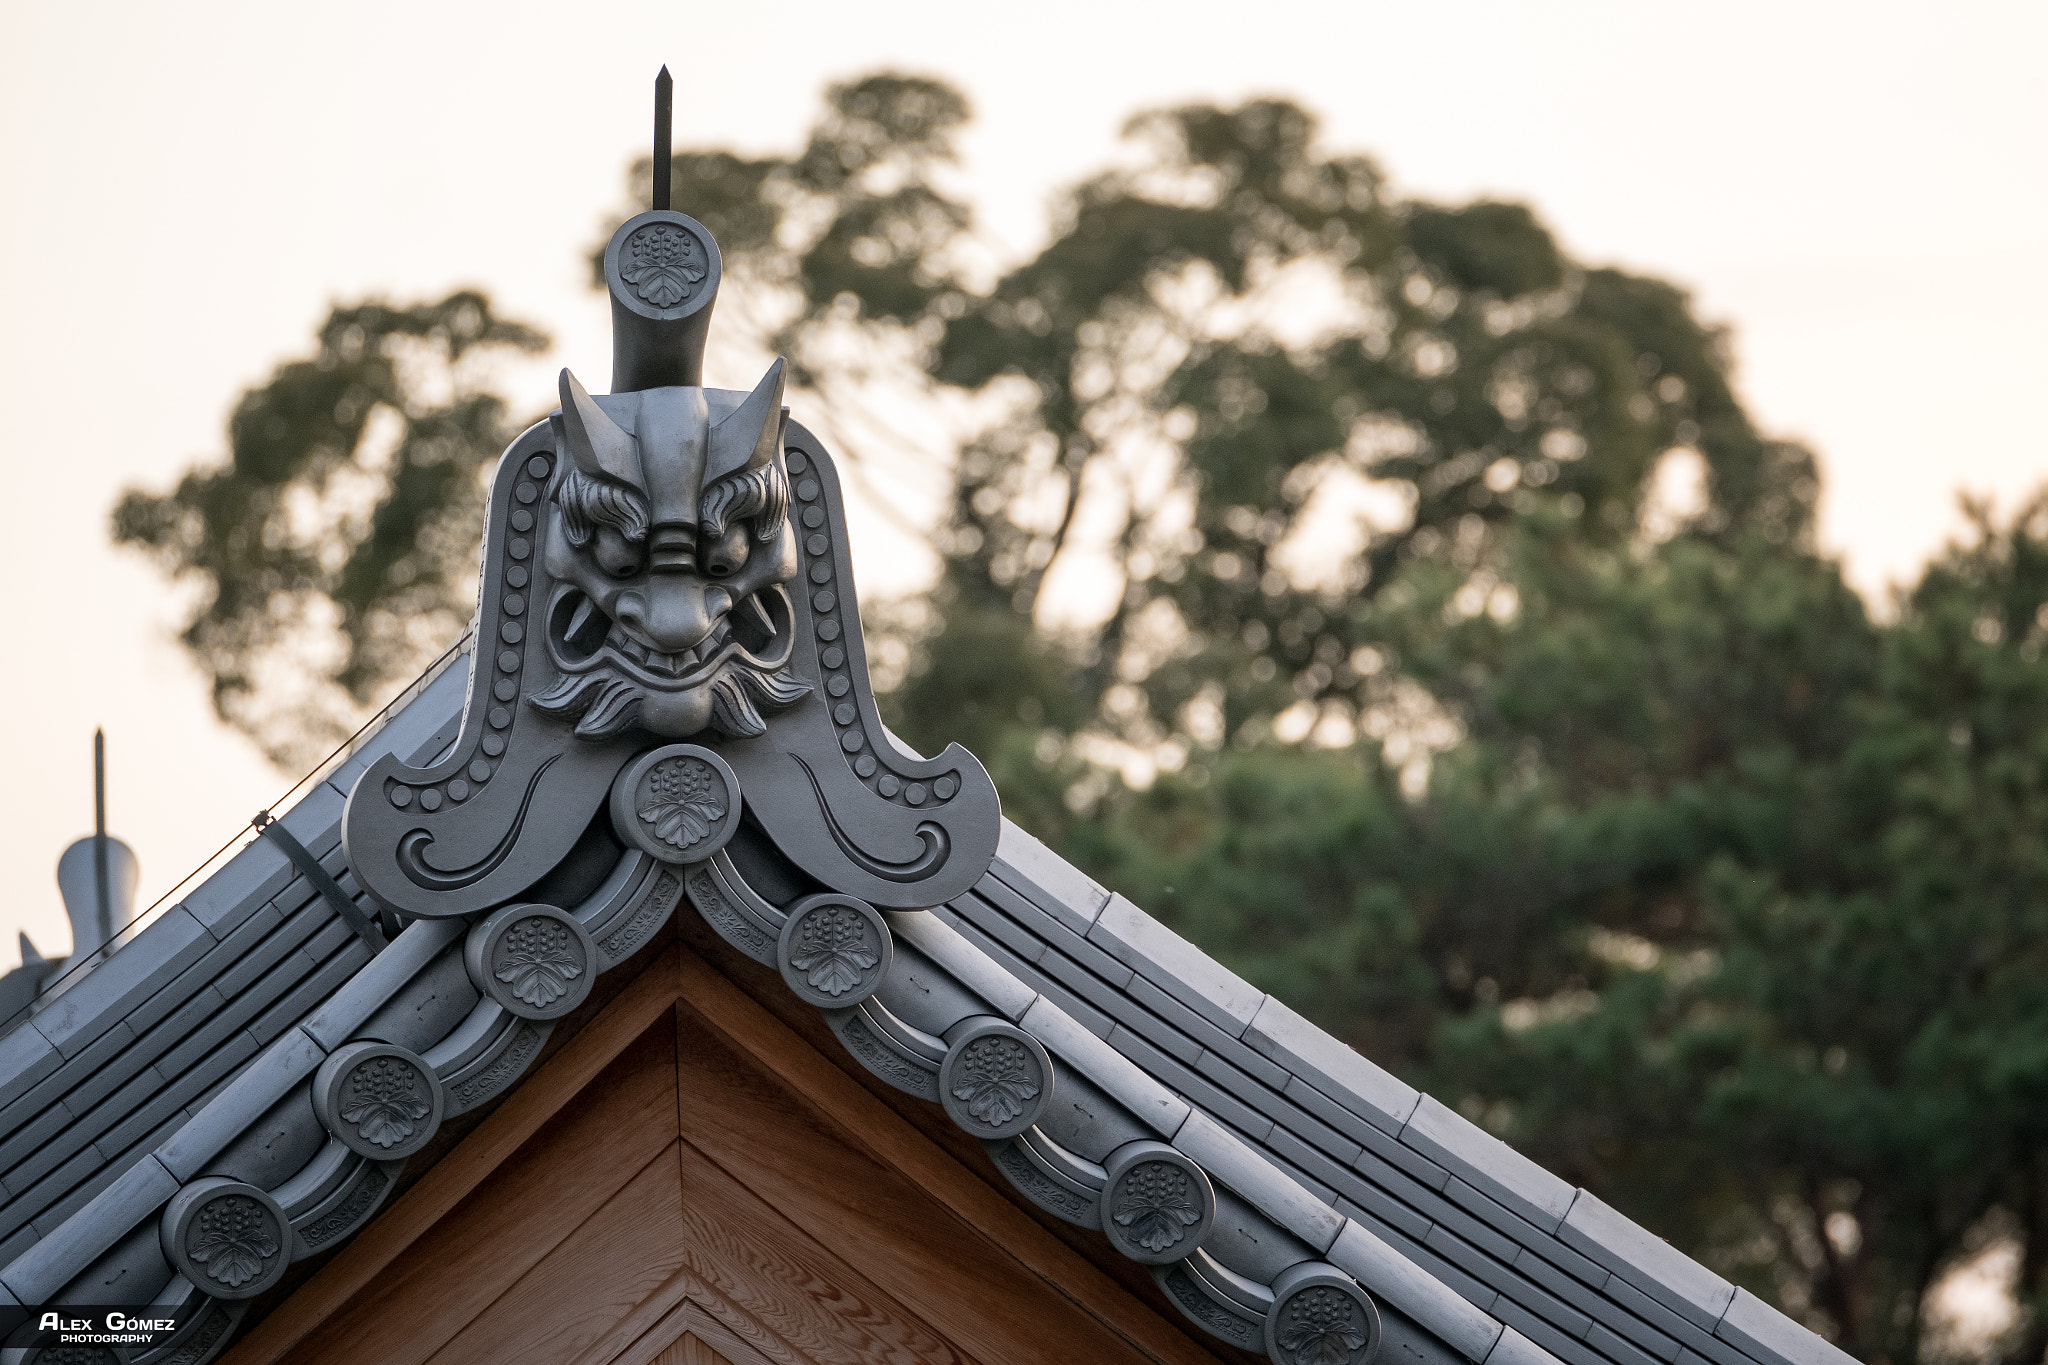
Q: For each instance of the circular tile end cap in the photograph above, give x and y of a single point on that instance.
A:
(834, 950)
(996, 1080)
(679, 803)
(1321, 1316)
(536, 960)
(227, 1237)
(1158, 1204)
(382, 1101)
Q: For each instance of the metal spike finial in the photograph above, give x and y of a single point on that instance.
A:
(102, 884)
(664, 108)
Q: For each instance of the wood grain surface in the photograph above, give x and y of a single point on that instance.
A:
(703, 1184)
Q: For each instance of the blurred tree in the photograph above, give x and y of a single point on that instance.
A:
(1503, 716)
(334, 553)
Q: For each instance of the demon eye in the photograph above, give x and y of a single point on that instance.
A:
(616, 555)
(728, 554)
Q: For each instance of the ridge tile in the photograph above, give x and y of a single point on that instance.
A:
(173, 942)
(1646, 1261)
(1772, 1337)
(1046, 879)
(1333, 1068)
(1176, 965)
(1456, 1143)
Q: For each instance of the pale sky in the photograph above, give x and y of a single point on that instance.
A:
(1858, 190)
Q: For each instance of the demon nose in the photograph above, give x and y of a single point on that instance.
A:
(672, 548)
(674, 612)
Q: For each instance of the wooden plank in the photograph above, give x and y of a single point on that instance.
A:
(690, 1316)
(805, 1137)
(535, 1100)
(689, 1349)
(765, 987)
(623, 1120)
(591, 1282)
(715, 1345)
(758, 1288)
(636, 1338)
(772, 1278)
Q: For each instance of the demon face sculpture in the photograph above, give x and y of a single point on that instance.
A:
(669, 539)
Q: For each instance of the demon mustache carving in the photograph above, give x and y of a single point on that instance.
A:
(669, 540)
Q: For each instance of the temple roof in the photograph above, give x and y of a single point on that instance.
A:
(188, 1052)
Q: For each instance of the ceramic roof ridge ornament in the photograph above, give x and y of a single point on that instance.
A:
(662, 564)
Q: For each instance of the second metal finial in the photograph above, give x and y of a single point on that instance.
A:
(664, 106)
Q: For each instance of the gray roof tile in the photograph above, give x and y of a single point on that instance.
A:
(1516, 1290)
(1146, 1002)
(186, 1091)
(1089, 1017)
(229, 1020)
(343, 1012)
(94, 1004)
(255, 874)
(1573, 1290)
(269, 1079)
(282, 939)
(967, 964)
(1569, 1350)
(1311, 1144)
(1228, 1158)
(1383, 1156)
(1648, 1262)
(1645, 1314)
(1019, 940)
(1048, 879)
(1119, 1078)
(25, 1058)
(66, 1250)
(1338, 1117)
(49, 1092)
(1515, 1349)
(1774, 1338)
(1602, 1339)
(1335, 1069)
(1375, 1208)
(1191, 1087)
(1374, 1263)
(1482, 1222)
(1052, 931)
(1459, 1145)
(325, 978)
(1451, 1273)
(22, 1145)
(1469, 1231)
(67, 1186)
(1170, 961)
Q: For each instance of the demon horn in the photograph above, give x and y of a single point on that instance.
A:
(747, 437)
(600, 446)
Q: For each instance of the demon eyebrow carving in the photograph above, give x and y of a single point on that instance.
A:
(670, 539)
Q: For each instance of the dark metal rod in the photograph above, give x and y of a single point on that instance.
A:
(664, 155)
(323, 882)
(99, 835)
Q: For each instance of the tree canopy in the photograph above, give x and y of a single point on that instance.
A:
(1409, 613)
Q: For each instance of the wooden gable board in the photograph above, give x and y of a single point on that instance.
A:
(688, 1179)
